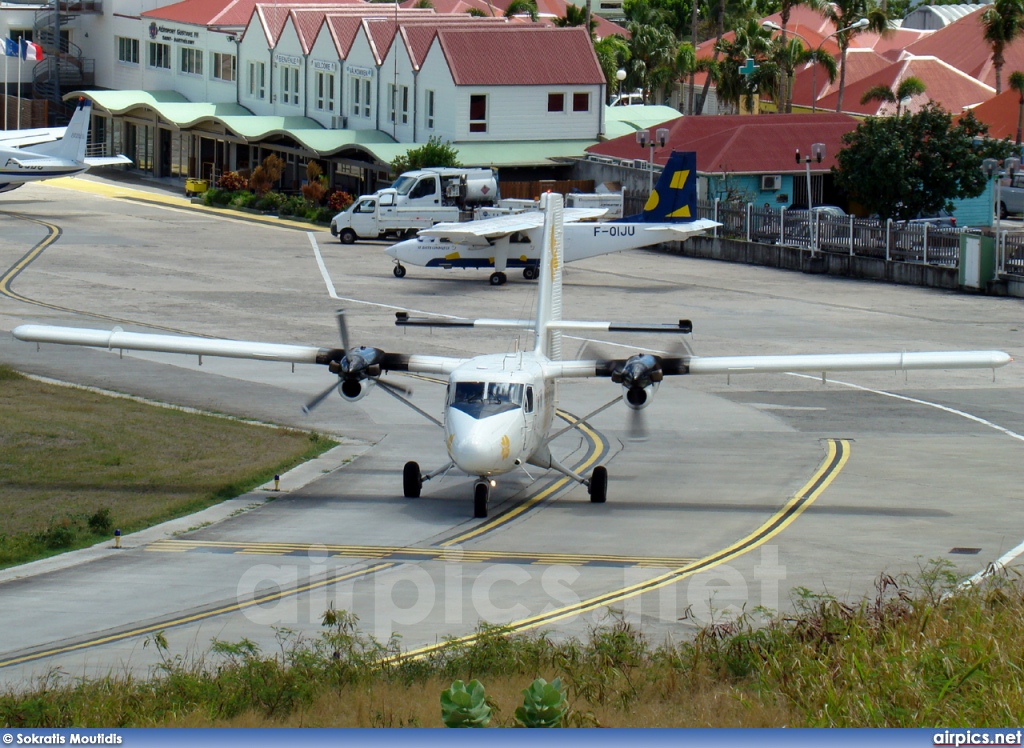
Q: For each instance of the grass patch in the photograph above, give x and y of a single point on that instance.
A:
(912, 656)
(77, 464)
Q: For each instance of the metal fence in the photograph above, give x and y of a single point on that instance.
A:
(862, 237)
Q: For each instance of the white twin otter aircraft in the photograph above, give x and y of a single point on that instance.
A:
(500, 407)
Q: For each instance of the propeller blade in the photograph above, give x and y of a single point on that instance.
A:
(320, 398)
(636, 425)
(389, 385)
(342, 328)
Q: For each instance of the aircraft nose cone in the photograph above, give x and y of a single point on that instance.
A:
(486, 447)
(392, 250)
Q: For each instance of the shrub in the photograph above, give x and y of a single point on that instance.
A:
(58, 535)
(233, 181)
(465, 707)
(100, 522)
(543, 704)
(339, 201)
(323, 214)
(216, 196)
(292, 206)
(243, 199)
(316, 183)
(270, 201)
(266, 174)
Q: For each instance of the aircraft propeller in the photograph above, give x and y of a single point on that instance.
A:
(356, 369)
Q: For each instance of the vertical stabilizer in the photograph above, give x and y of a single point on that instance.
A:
(549, 288)
(674, 199)
(72, 145)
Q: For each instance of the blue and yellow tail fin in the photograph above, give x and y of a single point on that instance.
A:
(674, 199)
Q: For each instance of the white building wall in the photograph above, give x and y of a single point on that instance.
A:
(288, 60)
(324, 59)
(521, 113)
(435, 76)
(361, 66)
(397, 71)
(253, 49)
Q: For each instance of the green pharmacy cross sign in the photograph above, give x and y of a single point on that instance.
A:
(748, 68)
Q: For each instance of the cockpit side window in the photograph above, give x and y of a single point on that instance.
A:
(529, 400)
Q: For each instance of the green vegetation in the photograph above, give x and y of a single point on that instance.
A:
(543, 704)
(435, 152)
(899, 167)
(921, 652)
(77, 464)
(463, 706)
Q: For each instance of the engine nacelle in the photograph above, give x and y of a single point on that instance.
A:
(354, 389)
(638, 398)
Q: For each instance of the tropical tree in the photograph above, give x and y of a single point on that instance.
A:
(845, 13)
(909, 86)
(901, 166)
(790, 56)
(475, 12)
(713, 64)
(576, 16)
(612, 54)
(1003, 22)
(1017, 84)
(785, 10)
(652, 51)
(751, 42)
(522, 7)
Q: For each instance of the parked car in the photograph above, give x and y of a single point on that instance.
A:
(940, 219)
(630, 99)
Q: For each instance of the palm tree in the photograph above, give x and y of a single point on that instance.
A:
(1003, 23)
(790, 56)
(750, 43)
(843, 14)
(652, 54)
(785, 9)
(713, 63)
(575, 16)
(909, 86)
(612, 54)
(1017, 84)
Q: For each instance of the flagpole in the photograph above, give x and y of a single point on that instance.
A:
(21, 54)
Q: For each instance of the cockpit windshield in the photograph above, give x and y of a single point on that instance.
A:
(483, 399)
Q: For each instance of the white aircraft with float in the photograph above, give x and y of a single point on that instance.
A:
(514, 240)
(49, 152)
(500, 407)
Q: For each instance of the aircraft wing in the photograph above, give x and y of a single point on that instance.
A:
(809, 363)
(35, 136)
(118, 339)
(484, 231)
(107, 160)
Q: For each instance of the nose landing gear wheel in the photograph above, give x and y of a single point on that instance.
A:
(498, 279)
(399, 271)
(411, 480)
(481, 493)
(598, 485)
(531, 273)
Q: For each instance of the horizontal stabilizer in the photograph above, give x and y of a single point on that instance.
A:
(107, 160)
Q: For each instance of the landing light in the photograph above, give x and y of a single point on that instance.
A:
(494, 483)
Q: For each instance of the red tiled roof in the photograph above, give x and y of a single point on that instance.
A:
(230, 13)
(1000, 113)
(528, 56)
(743, 144)
(951, 88)
(860, 64)
(962, 44)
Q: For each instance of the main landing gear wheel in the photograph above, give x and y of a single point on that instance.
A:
(531, 273)
(347, 236)
(399, 271)
(480, 495)
(411, 481)
(598, 485)
(498, 279)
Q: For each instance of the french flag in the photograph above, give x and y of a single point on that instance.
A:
(31, 51)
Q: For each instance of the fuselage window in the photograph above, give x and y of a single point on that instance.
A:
(529, 400)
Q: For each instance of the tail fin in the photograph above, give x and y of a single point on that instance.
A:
(549, 288)
(674, 199)
(72, 145)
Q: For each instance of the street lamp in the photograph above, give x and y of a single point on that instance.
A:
(620, 75)
(814, 76)
(643, 139)
(817, 154)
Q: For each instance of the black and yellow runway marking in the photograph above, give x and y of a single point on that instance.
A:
(838, 452)
(402, 554)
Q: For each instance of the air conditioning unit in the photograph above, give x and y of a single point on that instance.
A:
(339, 122)
(771, 182)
